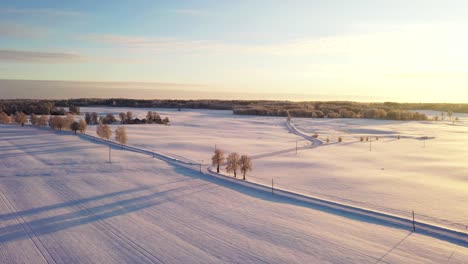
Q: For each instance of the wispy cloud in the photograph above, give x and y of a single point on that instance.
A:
(50, 12)
(152, 43)
(21, 31)
(28, 56)
(40, 57)
(370, 44)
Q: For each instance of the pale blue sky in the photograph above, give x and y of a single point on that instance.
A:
(400, 50)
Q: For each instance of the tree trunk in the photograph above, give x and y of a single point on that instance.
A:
(217, 168)
(235, 174)
(244, 176)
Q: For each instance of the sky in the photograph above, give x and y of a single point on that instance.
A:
(380, 50)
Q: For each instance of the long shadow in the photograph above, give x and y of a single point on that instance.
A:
(37, 145)
(67, 204)
(394, 247)
(47, 151)
(88, 215)
(264, 193)
(284, 151)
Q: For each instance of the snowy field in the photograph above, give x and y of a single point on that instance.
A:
(390, 175)
(61, 202)
(193, 134)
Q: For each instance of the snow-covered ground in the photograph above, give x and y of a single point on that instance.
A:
(61, 202)
(428, 176)
(193, 134)
(398, 176)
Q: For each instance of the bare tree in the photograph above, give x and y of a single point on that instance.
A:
(83, 126)
(52, 122)
(121, 135)
(21, 118)
(245, 165)
(56, 122)
(59, 122)
(450, 114)
(217, 159)
(75, 126)
(34, 119)
(233, 162)
(69, 119)
(103, 131)
(122, 116)
(94, 118)
(129, 117)
(100, 129)
(4, 118)
(150, 117)
(43, 120)
(88, 118)
(107, 132)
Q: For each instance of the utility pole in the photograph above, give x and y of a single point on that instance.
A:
(272, 186)
(414, 226)
(201, 162)
(110, 153)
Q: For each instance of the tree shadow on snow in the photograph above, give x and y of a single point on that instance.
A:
(262, 192)
(85, 215)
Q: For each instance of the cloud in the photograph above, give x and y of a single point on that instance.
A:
(21, 31)
(39, 57)
(371, 43)
(19, 56)
(161, 44)
(48, 12)
(157, 44)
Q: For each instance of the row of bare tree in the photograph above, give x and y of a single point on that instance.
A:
(234, 162)
(65, 123)
(104, 131)
(20, 118)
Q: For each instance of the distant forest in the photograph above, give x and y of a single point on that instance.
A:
(312, 109)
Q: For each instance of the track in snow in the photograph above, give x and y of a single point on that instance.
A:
(336, 208)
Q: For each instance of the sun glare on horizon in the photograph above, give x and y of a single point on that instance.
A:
(394, 50)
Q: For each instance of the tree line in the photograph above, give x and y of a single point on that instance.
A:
(327, 110)
(319, 109)
(38, 107)
(126, 118)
